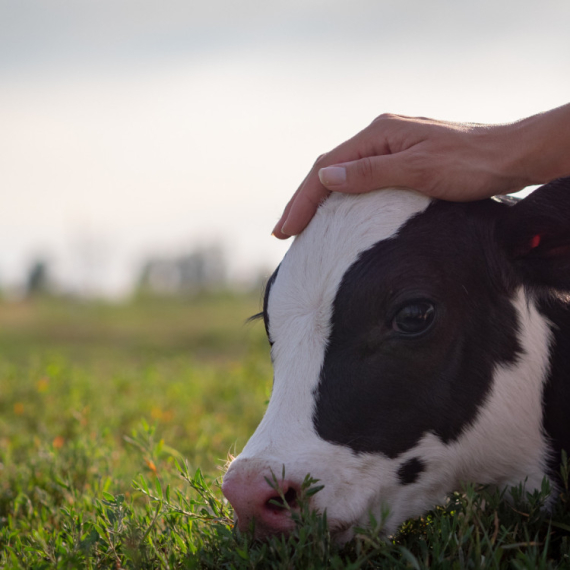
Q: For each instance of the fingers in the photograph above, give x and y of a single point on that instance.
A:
(306, 208)
(352, 177)
(277, 232)
(355, 177)
(367, 174)
(303, 207)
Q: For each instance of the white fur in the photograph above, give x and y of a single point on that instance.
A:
(504, 445)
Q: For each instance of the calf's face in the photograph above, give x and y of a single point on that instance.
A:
(405, 361)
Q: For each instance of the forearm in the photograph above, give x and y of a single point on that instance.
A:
(541, 146)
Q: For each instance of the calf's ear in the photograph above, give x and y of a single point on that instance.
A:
(535, 233)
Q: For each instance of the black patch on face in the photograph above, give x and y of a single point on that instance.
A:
(409, 471)
(380, 391)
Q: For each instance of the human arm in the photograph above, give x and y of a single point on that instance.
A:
(449, 161)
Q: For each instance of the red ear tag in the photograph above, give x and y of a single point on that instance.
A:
(535, 241)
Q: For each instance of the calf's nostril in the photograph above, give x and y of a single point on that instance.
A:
(278, 503)
(291, 497)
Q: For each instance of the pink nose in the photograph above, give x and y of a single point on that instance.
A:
(253, 499)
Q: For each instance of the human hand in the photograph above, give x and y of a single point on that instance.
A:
(449, 161)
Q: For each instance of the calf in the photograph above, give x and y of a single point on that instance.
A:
(416, 344)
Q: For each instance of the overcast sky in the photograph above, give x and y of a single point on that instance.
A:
(132, 128)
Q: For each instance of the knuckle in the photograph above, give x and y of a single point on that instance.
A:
(365, 169)
(385, 117)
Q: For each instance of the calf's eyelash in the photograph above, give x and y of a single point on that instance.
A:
(253, 318)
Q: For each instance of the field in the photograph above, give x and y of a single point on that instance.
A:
(116, 421)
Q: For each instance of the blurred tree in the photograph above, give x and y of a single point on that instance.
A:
(202, 269)
(38, 282)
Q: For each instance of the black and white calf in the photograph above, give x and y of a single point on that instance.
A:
(416, 344)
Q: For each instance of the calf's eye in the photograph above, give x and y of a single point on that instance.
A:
(414, 319)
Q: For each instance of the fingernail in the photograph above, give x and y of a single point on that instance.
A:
(277, 230)
(284, 230)
(332, 176)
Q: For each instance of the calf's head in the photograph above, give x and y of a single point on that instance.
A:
(408, 357)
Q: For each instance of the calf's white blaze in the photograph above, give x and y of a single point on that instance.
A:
(300, 305)
(506, 432)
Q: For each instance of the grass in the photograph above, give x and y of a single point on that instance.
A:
(115, 423)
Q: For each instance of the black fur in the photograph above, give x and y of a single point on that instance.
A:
(556, 397)
(380, 391)
(409, 471)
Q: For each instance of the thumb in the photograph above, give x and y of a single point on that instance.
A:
(365, 175)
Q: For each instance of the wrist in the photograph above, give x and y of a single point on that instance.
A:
(541, 146)
(518, 152)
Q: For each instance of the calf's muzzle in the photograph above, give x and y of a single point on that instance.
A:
(257, 496)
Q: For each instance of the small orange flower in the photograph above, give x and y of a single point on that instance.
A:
(18, 408)
(42, 384)
(58, 442)
(150, 464)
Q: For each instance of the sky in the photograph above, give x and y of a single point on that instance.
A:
(131, 129)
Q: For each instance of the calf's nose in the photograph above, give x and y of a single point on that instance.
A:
(254, 499)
